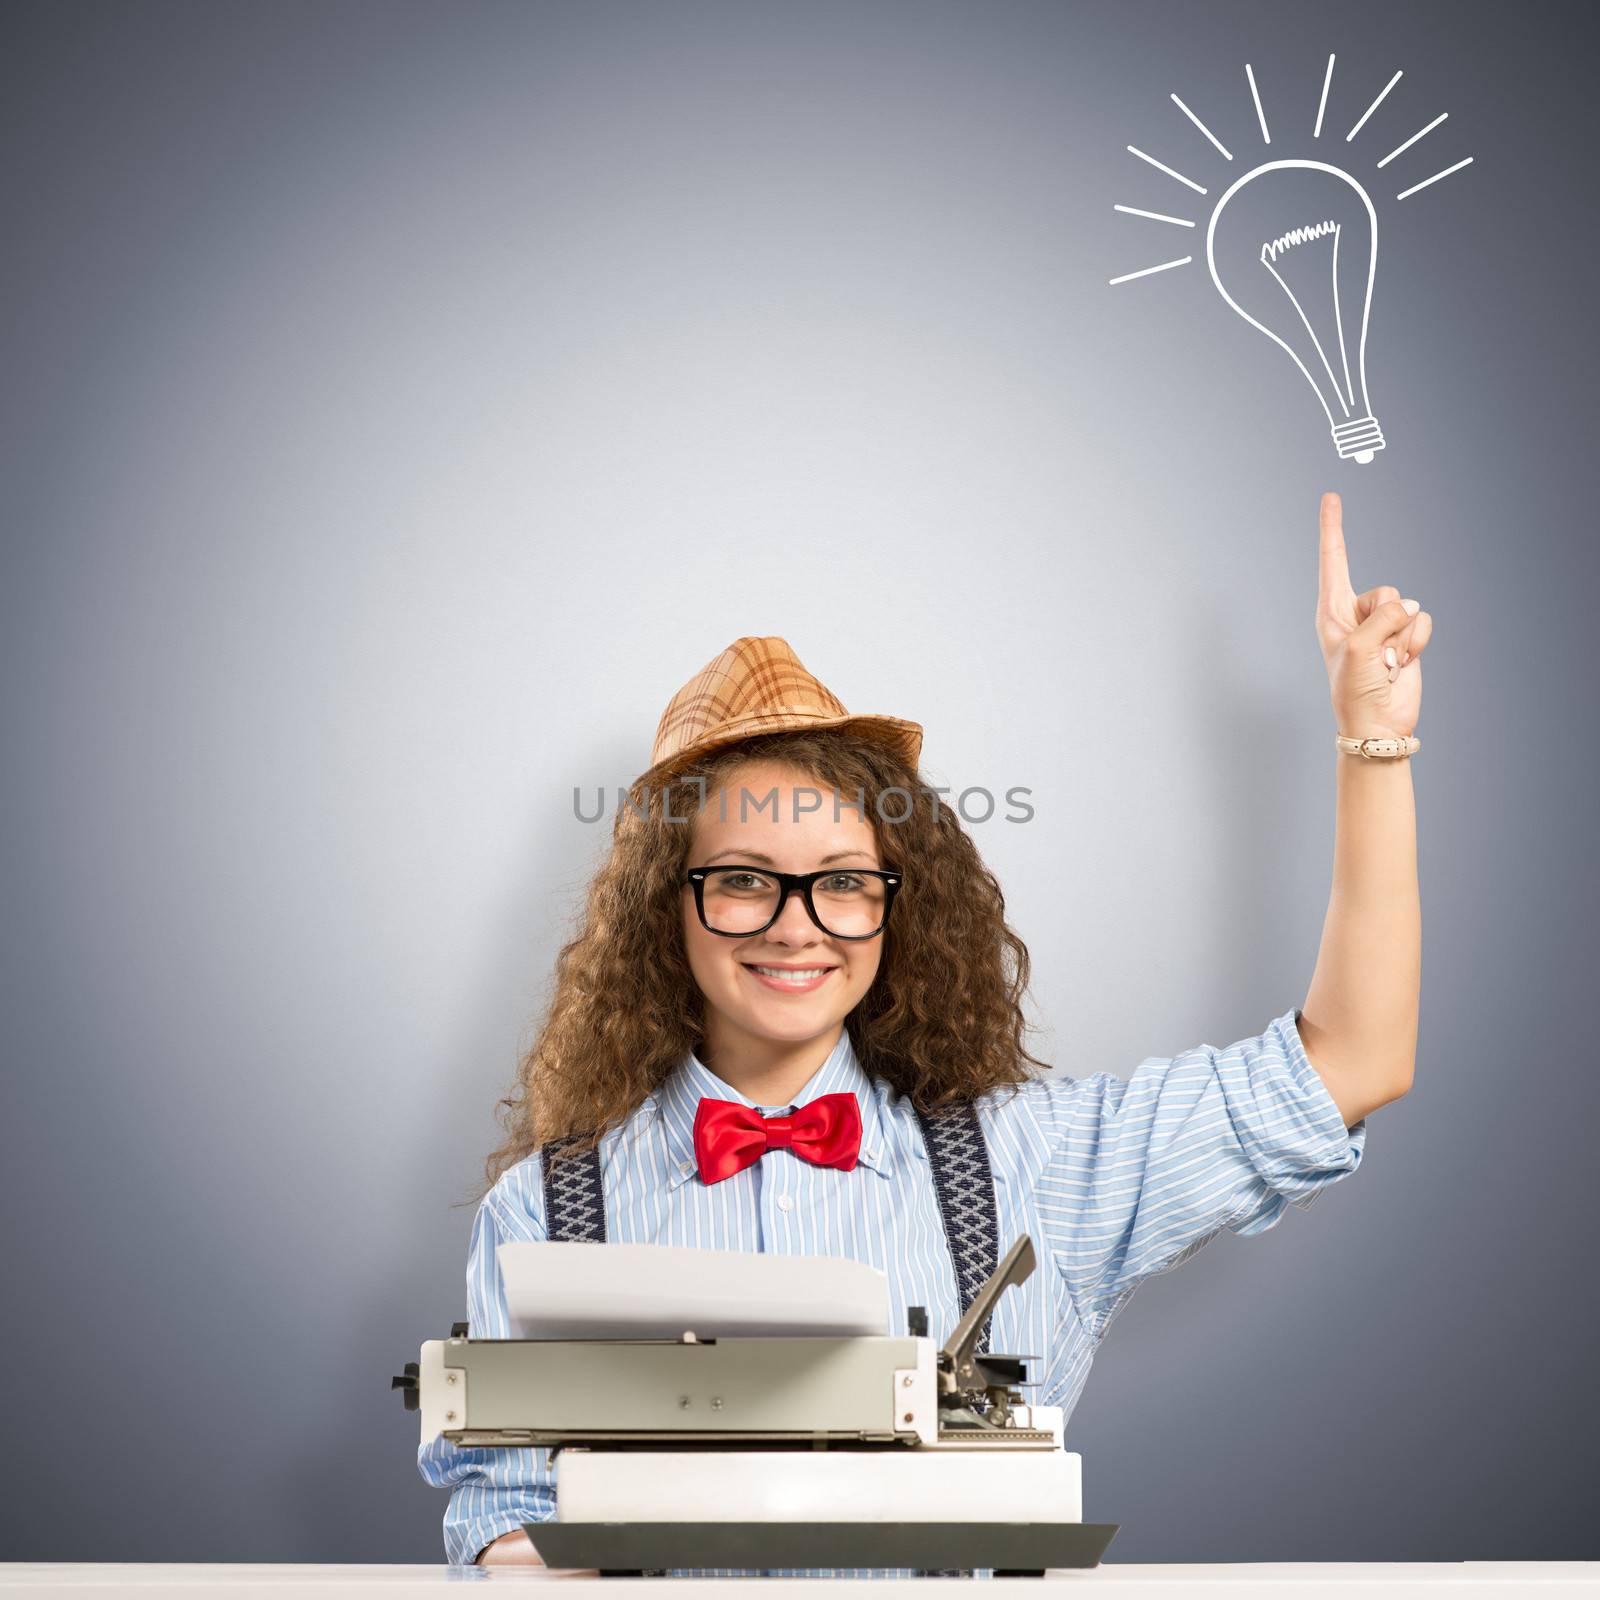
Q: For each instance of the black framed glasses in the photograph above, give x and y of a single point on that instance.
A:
(845, 902)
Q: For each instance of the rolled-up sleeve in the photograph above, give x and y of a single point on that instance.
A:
(1142, 1173)
(493, 1491)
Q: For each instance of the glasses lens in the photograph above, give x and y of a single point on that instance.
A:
(849, 903)
(741, 901)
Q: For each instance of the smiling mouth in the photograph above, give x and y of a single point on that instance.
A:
(788, 977)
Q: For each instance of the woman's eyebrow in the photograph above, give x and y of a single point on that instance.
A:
(756, 855)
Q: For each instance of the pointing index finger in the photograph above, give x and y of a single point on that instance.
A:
(1334, 563)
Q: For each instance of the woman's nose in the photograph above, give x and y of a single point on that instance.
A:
(794, 924)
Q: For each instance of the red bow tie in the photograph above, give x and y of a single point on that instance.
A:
(728, 1137)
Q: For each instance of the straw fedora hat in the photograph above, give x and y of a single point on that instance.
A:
(758, 685)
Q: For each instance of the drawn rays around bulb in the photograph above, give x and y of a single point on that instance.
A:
(1406, 193)
(1383, 94)
(1227, 153)
(1266, 138)
(1413, 139)
(1255, 94)
(1144, 272)
(1322, 104)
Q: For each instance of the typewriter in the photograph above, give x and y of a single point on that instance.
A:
(776, 1451)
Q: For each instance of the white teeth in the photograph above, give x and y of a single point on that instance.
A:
(791, 974)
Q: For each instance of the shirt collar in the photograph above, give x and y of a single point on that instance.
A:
(678, 1098)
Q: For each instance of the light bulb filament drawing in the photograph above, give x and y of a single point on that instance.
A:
(1346, 397)
(1270, 252)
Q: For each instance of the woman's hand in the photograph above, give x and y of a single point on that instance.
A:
(515, 1549)
(1371, 697)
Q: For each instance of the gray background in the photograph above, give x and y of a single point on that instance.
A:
(401, 400)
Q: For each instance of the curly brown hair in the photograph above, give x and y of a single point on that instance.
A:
(941, 1023)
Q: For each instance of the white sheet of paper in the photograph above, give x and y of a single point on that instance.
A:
(657, 1291)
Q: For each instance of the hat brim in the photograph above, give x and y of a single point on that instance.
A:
(900, 735)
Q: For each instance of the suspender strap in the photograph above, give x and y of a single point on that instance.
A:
(962, 1180)
(574, 1210)
(574, 1203)
(964, 1184)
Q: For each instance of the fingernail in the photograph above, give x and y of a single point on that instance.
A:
(1412, 607)
(1388, 654)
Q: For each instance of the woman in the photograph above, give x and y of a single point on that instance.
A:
(794, 967)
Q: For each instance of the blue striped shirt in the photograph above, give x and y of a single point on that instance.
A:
(1114, 1180)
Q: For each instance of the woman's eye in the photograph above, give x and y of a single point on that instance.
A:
(841, 883)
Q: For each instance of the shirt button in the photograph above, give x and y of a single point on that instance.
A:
(786, 1202)
(871, 1155)
(686, 1167)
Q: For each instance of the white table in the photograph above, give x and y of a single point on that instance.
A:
(1503, 1580)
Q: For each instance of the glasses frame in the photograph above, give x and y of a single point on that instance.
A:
(794, 883)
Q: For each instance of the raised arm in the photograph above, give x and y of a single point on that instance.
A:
(1359, 1021)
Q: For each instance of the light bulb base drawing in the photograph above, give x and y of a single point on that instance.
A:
(1361, 438)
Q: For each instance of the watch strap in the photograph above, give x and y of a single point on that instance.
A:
(1389, 749)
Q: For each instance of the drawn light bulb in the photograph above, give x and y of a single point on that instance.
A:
(1292, 247)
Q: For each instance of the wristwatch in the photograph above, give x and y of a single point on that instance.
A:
(1378, 749)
